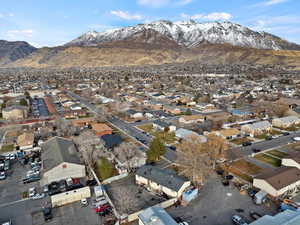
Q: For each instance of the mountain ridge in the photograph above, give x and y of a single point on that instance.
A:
(191, 34)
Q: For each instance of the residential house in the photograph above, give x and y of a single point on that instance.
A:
(101, 129)
(257, 128)
(287, 217)
(14, 113)
(277, 182)
(136, 159)
(161, 125)
(60, 160)
(241, 113)
(172, 110)
(155, 215)
(292, 160)
(25, 141)
(74, 114)
(134, 114)
(285, 122)
(230, 133)
(75, 107)
(182, 133)
(192, 119)
(162, 180)
(111, 140)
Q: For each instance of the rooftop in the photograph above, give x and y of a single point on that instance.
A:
(156, 216)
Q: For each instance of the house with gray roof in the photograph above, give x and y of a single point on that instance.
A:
(285, 122)
(155, 215)
(60, 160)
(257, 128)
(162, 180)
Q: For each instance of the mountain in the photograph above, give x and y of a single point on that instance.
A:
(190, 34)
(129, 53)
(12, 51)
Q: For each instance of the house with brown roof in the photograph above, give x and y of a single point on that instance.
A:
(191, 119)
(101, 129)
(277, 182)
(25, 141)
(229, 133)
(292, 160)
(172, 110)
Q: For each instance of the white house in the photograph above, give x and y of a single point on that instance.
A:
(257, 128)
(278, 181)
(285, 122)
(162, 180)
(155, 215)
(60, 160)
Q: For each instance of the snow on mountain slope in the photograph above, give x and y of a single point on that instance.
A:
(192, 34)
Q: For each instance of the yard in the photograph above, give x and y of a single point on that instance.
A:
(246, 167)
(272, 132)
(278, 154)
(240, 141)
(7, 148)
(268, 159)
(105, 169)
(166, 137)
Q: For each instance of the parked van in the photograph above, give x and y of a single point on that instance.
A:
(260, 197)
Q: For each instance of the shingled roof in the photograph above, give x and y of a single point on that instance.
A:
(280, 177)
(165, 177)
(58, 150)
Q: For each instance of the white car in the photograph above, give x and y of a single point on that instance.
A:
(2, 176)
(38, 196)
(31, 192)
(101, 201)
(296, 138)
(84, 202)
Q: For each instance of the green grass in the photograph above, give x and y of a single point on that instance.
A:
(166, 137)
(262, 136)
(241, 175)
(278, 154)
(268, 159)
(7, 148)
(275, 132)
(105, 169)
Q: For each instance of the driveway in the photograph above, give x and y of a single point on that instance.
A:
(216, 205)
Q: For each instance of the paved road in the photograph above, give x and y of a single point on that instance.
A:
(127, 128)
(263, 145)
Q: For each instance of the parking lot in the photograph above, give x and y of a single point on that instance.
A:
(39, 107)
(216, 205)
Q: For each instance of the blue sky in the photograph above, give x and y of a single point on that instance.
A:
(55, 22)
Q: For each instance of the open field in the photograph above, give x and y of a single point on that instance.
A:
(278, 154)
(240, 141)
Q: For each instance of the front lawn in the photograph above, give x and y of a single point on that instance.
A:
(239, 174)
(268, 159)
(262, 136)
(147, 127)
(240, 141)
(274, 132)
(7, 148)
(105, 169)
(278, 154)
(246, 167)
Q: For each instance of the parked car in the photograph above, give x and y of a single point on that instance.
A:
(102, 208)
(31, 192)
(252, 192)
(183, 223)
(38, 196)
(247, 143)
(286, 133)
(84, 202)
(46, 188)
(238, 220)
(62, 185)
(255, 215)
(256, 150)
(101, 201)
(268, 138)
(47, 212)
(31, 179)
(91, 182)
(2, 175)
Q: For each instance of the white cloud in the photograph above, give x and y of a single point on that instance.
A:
(184, 2)
(210, 16)
(126, 15)
(274, 2)
(153, 3)
(20, 34)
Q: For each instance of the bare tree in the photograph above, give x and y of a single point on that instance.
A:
(127, 152)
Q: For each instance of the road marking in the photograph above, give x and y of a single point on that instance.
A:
(11, 203)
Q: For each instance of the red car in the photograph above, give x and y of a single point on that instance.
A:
(102, 208)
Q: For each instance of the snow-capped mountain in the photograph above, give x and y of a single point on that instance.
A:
(191, 34)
